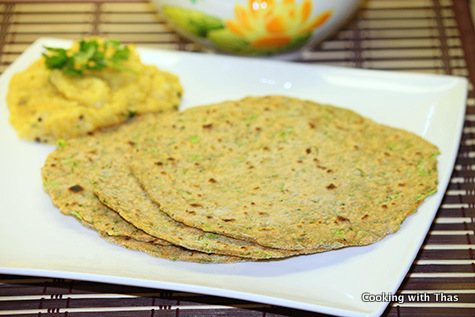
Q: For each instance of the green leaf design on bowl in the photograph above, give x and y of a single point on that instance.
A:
(227, 41)
(191, 21)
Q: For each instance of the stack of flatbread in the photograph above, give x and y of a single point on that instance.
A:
(253, 179)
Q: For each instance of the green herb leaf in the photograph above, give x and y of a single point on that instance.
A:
(92, 55)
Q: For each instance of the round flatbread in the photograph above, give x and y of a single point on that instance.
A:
(170, 252)
(117, 188)
(68, 176)
(286, 173)
(165, 251)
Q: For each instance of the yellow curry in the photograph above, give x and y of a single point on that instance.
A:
(47, 105)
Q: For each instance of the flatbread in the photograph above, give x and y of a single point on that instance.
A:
(170, 252)
(286, 173)
(166, 251)
(116, 187)
(68, 175)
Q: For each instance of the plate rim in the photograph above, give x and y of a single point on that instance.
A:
(460, 81)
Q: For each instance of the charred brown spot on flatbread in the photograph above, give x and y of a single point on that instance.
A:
(342, 219)
(76, 189)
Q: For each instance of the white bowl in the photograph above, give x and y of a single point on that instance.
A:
(256, 27)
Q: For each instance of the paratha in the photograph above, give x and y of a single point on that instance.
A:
(171, 252)
(164, 251)
(286, 173)
(67, 176)
(68, 179)
(117, 188)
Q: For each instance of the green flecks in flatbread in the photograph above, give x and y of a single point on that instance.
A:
(117, 188)
(286, 173)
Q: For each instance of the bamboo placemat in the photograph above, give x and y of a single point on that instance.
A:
(430, 36)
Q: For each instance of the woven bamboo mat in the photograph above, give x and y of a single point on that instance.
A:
(430, 36)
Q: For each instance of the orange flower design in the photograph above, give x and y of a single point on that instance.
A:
(273, 23)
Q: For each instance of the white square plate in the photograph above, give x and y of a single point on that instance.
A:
(36, 239)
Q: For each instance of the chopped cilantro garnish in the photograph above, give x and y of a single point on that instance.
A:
(92, 55)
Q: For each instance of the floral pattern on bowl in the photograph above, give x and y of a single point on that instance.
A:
(252, 27)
